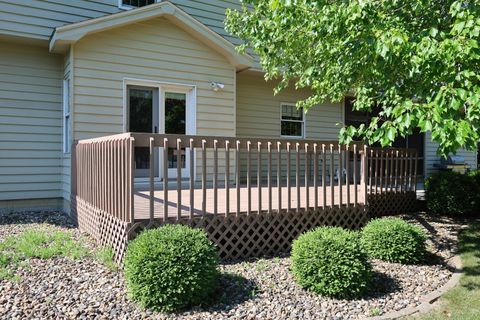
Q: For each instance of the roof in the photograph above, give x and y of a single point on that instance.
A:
(63, 36)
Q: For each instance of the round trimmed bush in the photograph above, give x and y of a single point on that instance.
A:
(451, 193)
(170, 268)
(394, 240)
(330, 261)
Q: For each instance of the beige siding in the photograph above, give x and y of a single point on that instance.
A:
(258, 115)
(431, 157)
(154, 50)
(30, 122)
(258, 110)
(144, 51)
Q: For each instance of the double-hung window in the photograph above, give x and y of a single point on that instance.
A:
(130, 4)
(66, 116)
(292, 121)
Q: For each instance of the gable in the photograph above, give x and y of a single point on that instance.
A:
(64, 36)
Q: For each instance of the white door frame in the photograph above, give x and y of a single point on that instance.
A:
(191, 114)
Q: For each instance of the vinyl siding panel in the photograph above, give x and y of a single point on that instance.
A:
(30, 122)
(258, 110)
(38, 18)
(103, 60)
(258, 115)
(144, 51)
(431, 157)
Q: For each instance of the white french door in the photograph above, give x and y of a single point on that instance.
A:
(174, 112)
(153, 107)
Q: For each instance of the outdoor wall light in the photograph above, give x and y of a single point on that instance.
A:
(217, 86)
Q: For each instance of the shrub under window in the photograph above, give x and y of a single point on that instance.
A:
(394, 240)
(330, 261)
(171, 268)
(451, 193)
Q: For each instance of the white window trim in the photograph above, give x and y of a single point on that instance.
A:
(127, 7)
(189, 89)
(303, 121)
(66, 141)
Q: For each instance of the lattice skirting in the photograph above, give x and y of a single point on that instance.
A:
(103, 227)
(260, 234)
(390, 203)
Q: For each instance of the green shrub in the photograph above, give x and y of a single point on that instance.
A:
(394, 240)
(451, 193)
(170, 268)
(330, 261)
(476, 175)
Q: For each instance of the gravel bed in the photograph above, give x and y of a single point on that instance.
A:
(63, 288)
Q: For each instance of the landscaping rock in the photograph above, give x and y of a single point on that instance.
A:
(252, 289)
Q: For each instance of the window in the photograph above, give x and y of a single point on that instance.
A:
(129, 4)
(292, 121)
(66, 116)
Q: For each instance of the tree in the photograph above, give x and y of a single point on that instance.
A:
(418, 60)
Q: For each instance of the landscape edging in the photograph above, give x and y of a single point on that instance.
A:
(429, 299)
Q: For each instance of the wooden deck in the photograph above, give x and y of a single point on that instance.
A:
(142, 202)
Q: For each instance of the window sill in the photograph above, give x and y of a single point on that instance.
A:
(293, 137)
(125, 7)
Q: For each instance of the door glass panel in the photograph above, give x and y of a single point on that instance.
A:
(141, 110)
(175, 123)
(141, 119)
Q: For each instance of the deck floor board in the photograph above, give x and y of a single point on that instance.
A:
(142, 205)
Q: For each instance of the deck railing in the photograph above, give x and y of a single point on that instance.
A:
(392, 170)
(102, 174)
(228, 175)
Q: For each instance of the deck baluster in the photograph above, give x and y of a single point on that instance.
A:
(249, 178)
(237, 175)
(381, 171)
(307, 178)
(191, 178)
(259, 176)
(151, 178)
(347, 175)
(179, 179)
(227, 178)
(297, 174)
(165, 179)
(324, 177)
(340, 176)
(279, 175)
(204, 177)
(355, 172)
(289, 177)
(215, 177)
(269, 177)
(315, 176)
(332, 177)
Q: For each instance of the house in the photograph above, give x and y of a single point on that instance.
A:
(72, 70)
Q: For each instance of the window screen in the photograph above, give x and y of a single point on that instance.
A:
(292, 121)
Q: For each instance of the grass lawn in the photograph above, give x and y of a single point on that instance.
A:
(463, 301)
(44, 243)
